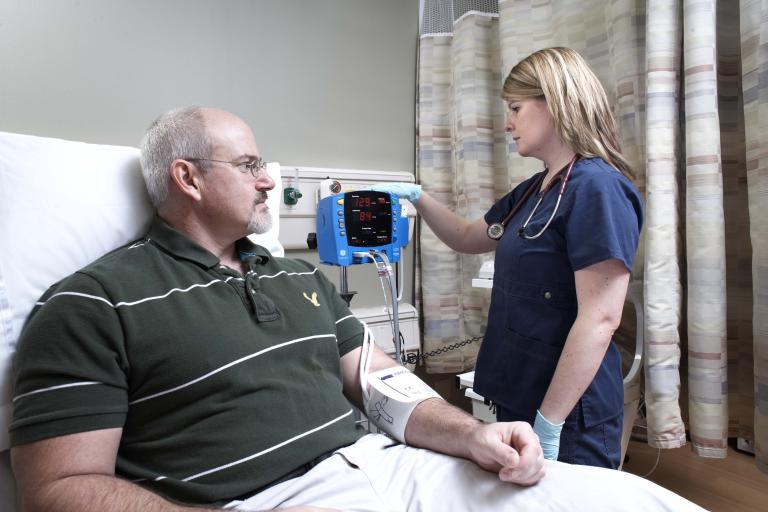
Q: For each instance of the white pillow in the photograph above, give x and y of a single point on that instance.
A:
(64, 204)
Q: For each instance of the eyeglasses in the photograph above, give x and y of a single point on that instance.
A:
(255, 166)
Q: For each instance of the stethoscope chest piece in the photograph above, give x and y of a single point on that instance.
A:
(495, 231)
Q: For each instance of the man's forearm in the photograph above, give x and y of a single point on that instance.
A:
(97, 493)
(509, 449)
(441, 427)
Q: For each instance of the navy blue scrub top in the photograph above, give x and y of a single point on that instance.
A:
(533, 301)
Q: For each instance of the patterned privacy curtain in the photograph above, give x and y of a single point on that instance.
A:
(462, 162)
(754, 87)
(705, 265)
(687, 81)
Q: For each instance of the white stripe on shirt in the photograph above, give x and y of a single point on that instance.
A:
(53, 388)
(289, 274)
(121, 304)
(344, 318)
(231, 364)
(271, 449)
(173, 290)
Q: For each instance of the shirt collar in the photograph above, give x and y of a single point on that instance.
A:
(181, 246)
(247, 249)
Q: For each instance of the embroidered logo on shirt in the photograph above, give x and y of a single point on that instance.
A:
(312, 299)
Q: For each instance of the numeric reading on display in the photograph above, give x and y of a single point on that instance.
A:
(367, 201)
(362, 216)
(368, 216)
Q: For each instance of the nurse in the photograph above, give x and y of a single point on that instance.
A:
(564, 242)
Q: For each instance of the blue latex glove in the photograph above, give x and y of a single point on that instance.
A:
(409, 191)
(549, 435)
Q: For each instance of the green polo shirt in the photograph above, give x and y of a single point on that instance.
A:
(222, 383)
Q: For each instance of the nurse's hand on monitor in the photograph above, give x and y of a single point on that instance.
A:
(549, 435)
(409, 191)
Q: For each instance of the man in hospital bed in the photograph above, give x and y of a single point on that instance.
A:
(193, 369)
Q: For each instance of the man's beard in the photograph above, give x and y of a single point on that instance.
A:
(260, 222)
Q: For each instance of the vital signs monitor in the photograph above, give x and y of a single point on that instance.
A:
(360, 221)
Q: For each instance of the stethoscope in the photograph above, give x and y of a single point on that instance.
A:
(496, 230)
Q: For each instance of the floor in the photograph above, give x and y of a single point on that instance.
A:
(733, 484)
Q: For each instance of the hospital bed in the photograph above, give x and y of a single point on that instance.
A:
(62, 205)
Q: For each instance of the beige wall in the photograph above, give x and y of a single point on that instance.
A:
(324, 83)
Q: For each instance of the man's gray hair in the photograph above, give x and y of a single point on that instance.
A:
(179, 133)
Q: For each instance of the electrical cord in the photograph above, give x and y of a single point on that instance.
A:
(400, 280)
(394, 321)
(656, 464)
(366, 356)
(640, 407)
(416, 358)
(384, 270)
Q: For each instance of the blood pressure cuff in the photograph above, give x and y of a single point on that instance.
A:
(395, 392)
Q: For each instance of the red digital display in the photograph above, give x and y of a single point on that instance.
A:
(362, 216)
(368, 216)
(361, 202)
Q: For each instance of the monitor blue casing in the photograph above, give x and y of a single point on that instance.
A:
(333, 244)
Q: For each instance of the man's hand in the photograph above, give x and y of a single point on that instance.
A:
(510, 449)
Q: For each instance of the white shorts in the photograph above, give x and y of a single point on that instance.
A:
(376, 474)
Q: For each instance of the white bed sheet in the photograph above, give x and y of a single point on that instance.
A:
(372, 475)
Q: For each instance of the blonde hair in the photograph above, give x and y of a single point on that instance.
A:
(576, 99)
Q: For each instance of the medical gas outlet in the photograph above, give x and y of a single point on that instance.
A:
(291, 195)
